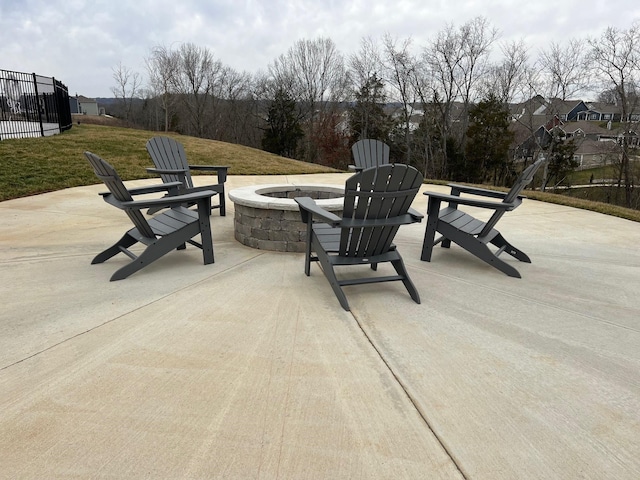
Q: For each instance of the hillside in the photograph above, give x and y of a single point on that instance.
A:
(30, 166)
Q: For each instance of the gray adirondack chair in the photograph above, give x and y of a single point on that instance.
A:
(171, 164)
(470, 233)
(369, 153)
(377, 201)
(162, 233)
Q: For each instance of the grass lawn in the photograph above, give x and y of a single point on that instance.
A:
(30, 166)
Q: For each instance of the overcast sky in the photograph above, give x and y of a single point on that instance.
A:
(80, 42)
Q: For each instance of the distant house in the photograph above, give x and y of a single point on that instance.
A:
(539, 110)
(601, 112)
(594, 126)
(83, 105)
(565, 110)
(586, 129)
(593, 153)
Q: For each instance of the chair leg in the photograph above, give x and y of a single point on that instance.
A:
(402, 271)
(330, 273)
(482, 251)
(204, 208)
(150, 255)
(125, 242)
(307, 250)
(506, 247)
(223, 204)
(153, 252)
(430, 231)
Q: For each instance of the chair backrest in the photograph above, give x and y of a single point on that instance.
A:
(524, 179)
(369, 153)
(165, 152)
(380, 193)
(112, 180)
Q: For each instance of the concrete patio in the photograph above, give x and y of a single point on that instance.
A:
(249, 369)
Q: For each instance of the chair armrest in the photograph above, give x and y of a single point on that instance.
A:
(417, 216)
(309, 208)
(405, 219)
(221, 170)
(208, 167)
(180, 172)
(471, 202)
(168, 201)
(161, 187)
(155, 188)
(170, 171)
(484, 192)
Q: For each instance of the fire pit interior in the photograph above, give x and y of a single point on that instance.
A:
(267, 217)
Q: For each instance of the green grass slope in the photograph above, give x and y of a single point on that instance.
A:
(29, 166)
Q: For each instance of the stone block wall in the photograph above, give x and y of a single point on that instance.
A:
(276, 230)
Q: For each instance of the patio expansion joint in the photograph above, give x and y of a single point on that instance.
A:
(411, 399)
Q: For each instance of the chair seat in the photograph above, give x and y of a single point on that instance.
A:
(461, 221)
(171, 220)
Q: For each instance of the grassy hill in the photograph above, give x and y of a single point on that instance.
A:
(29, 166)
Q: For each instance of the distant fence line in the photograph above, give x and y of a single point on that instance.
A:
(32, 105)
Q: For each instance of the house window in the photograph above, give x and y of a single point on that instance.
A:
(607, 116)
(593, 116)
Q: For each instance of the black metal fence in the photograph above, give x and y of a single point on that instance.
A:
(32, 105)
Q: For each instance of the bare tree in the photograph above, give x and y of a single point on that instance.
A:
(237, 118)
(458, 61)
(506, 79)
(476, 38)
(400, 66)
(563, 68)
(128, 84)
(364, 64)
(365, 84)
(163, 67)
(615, 59)
(198, 75)
(313, 72)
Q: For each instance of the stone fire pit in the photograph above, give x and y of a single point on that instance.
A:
(267, 217)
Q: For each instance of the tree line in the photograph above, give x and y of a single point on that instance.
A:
(443, 107)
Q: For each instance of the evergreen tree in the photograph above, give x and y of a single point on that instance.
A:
(367, 118)
(284, 130)
(488, 142)
(560, 159)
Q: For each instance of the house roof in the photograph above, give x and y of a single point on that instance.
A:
(83, 99)
(589, 128)
(601, 107)
(595, 147)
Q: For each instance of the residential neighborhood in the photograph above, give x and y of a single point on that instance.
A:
(596, 128)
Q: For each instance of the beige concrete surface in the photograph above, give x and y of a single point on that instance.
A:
(249, 369)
